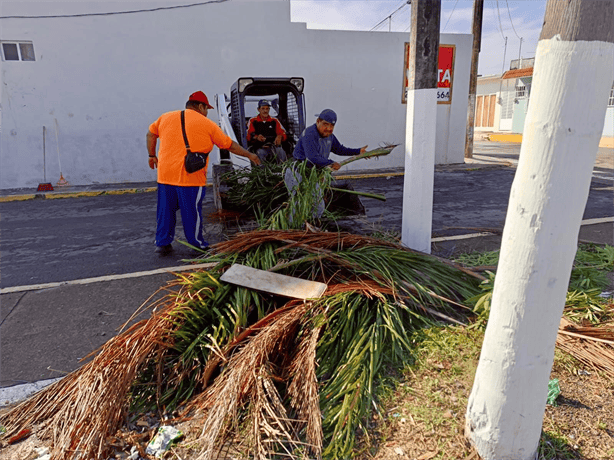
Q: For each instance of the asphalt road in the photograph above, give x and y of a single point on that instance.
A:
(45, 240)
(44, 332)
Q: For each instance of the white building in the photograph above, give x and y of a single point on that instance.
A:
(96, 74)
(502, 101)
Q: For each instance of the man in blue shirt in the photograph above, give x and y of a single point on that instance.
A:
(318, 141)
(314, 146)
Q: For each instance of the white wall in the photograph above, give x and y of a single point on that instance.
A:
(106, 78)
(608, 125)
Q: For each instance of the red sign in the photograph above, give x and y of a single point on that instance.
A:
(445, 73)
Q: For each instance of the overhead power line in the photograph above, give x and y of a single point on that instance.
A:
(500, 25)
(444, 27)
(510, 15)
(111, 13)
(387, 18)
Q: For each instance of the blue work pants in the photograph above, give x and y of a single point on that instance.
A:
(189, 200)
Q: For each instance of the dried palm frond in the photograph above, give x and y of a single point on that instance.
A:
(303, 388)
(296, 376)
(591, 345)
(246, 369)
(81, 410)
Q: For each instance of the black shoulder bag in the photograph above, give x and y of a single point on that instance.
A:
(194, 161)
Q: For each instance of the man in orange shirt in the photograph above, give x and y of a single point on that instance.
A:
(178, 189)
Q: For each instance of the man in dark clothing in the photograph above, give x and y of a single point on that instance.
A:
(314, 146)
(265, 134)
(318, 141)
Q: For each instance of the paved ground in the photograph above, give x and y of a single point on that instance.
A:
(46, 328)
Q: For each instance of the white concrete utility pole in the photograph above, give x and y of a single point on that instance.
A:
(421, 125)
(574, 65)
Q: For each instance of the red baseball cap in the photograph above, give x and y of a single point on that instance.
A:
(199, 96)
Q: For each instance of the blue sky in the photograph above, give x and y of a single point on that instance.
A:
(514, 19)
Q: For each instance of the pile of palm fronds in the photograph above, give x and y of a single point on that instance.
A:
(261, 190)
(256, 190)
(268, 374)
(588, 279)
(586, 331)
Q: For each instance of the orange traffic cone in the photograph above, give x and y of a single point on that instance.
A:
(62, 181)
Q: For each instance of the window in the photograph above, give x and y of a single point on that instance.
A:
(521, 90)
(611, 99)
(18, 51)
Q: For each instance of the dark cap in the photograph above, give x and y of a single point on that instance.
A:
(328, 115)
(264, 103)
(201, 97)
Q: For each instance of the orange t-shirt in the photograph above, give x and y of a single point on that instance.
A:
(202, 134)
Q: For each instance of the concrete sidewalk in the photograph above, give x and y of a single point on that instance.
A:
(502, 136)
(490, 149)
(48, 325)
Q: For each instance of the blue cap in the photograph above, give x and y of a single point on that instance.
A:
(328, 115)
(263, 103)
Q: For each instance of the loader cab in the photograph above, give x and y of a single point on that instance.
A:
(287, 105)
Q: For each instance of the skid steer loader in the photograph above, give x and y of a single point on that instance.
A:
(287, 105)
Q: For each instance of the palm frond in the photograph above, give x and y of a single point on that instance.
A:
(298, 377)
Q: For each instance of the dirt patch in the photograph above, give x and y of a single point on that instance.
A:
(579, 427)
(584, 415)
(28, 449)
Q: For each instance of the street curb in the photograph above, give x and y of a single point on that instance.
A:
(79, 194)
(98, 279)
(514, 138)
(56, 196)
(605, 142)
(17, 393)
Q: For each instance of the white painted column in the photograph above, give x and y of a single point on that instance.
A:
(420, 134)
(571, 83)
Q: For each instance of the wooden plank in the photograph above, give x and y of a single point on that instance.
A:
(273, 283)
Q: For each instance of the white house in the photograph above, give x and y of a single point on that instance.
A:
(502, 101)
(96, 74)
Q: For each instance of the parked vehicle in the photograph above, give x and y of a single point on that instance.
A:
(287, 105)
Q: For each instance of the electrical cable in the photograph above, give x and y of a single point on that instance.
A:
(510, 15)
(500, 25)
(114, 12)
(376, 26)
(444, 27)
(389, 16)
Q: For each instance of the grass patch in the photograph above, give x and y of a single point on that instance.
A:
(556, 446)
(425, 413)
